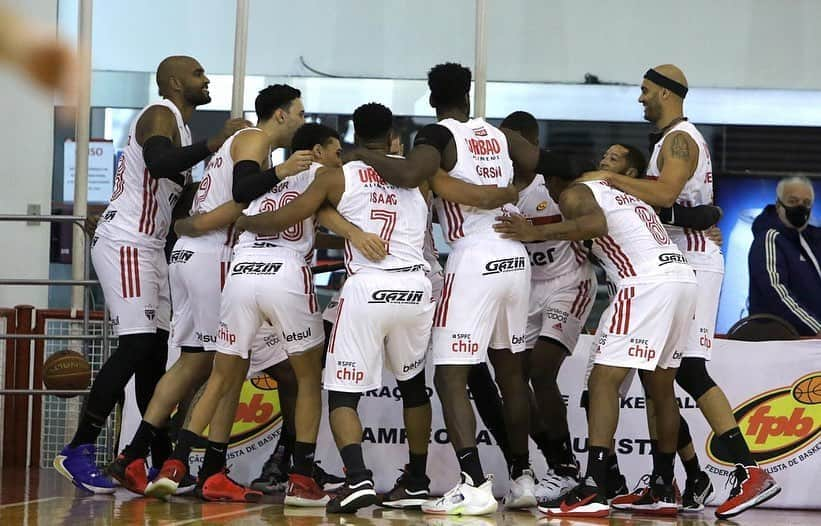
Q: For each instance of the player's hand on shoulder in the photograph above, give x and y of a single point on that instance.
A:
(230, 127)
(370, 245)
(299, 161)
(714, 234)
(515, 226)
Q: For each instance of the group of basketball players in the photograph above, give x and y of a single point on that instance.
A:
(524, 229)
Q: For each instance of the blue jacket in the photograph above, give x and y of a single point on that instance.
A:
(783, 279)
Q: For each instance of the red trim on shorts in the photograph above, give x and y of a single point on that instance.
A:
(579, 295)
(455, 220)
(122, 271)
(440, 317)
(630, 294)
(336, 326)
(308, 282)
(137, 272)
(224, 265)
(614, 321)
(588, 298)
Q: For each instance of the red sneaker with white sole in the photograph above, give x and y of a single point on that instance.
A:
(220, 487)
(751, 486)
(304, 491)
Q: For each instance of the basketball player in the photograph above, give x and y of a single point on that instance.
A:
(483, 305)
(127, 253)
(641, 328)
(562, 289)
(384, 309)
(199, 262)
(680, 171)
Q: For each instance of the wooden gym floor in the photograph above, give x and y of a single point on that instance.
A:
(43, 497)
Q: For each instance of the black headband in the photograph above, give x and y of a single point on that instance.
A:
(666, 82)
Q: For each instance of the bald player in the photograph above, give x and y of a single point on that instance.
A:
(680, 171)
(127, 253)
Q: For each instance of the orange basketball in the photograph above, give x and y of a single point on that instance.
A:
(264, 382)
(66, 370)
(808, 390)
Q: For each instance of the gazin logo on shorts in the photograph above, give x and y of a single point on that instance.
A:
(181, 256)
(255, 268)
(397, 296)
(778, 422)
(498, 266)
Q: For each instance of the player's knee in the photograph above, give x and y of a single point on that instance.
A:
(693, 377)
(414, 392)
(337, 399)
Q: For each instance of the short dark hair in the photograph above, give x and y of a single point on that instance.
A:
(448, 83)
(635, 159)
(274, 97)
(372, 121)
(310, 134)
(524, 123)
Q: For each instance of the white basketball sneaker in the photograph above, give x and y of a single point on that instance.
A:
(522, 491)
(464, 499)
(554, 487)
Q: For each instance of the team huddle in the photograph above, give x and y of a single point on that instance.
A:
(525, 230)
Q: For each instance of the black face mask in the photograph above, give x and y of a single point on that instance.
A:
(797, 215)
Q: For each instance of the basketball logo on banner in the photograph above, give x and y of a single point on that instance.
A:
(777, 423)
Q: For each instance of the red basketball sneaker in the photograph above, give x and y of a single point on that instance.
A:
(132, 475)
(305, 492)
(625, 501)
(168, 479)
(220, 487)
(751, 487)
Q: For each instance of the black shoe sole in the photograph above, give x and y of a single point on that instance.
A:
(361, 502)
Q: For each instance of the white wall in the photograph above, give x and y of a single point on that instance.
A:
(26, 139)
(719, 43)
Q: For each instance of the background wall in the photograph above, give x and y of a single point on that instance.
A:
(719, 43)
(26, 150)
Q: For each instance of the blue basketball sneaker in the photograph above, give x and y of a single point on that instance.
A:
(78, 465)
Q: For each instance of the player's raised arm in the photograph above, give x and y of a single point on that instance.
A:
(299, 209)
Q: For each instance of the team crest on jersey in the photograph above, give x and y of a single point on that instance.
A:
(480, 131)
(541, 206)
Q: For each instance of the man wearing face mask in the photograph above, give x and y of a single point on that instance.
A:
(785, 276)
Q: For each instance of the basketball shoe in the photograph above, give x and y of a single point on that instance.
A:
(554, 486)
(220, 487)
(304, 492)
(327, 481)
(273, 477)
(659, 499)
(624, 501)
(78, 465)
(132, 474)
(585, 500)
(187, 484)
(751, 487)
(167, 480)
(353, 495)
(408, 492)
(522, 491)
(696, 492)
(465, 499)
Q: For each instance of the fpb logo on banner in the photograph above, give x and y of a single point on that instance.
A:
(778, 423)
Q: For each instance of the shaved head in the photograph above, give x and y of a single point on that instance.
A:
(672, 72)
(176, 66)
(183, 77)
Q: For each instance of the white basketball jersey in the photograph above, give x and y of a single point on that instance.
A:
(482, 158)
(548, 259)
(399, 215)
(299, 237)
(636, 247)
(139, 211)
(700, 251)
(216, 189)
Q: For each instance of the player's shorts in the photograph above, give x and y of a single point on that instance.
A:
(624, 388)
(267, 349)
(701, 332)
(134, 280)
(380, 314)
(197, 278)
(560, 307)
(329, 314)
(276, 287)
(484, 302)
(645, 325)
